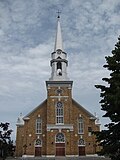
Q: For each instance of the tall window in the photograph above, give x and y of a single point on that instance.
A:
(59, 65)
(60, 138)
(59, 68)
(80, 125)
(59, 113)
(38, 125)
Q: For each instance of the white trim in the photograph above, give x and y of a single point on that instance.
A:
(38, 125)
(80, 125)
(62, 83)
(79, 145)
(93, 155)
(59, 117)
(63, 156)
(72, 155)
(24, 156)
(38, 146)
(59, 96)
(26, 118)
(50, 156)
(38, 133)
(60, 127)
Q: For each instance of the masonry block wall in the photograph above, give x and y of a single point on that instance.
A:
(26, 134)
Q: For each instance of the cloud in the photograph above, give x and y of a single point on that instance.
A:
(27, 35)
(29, 65)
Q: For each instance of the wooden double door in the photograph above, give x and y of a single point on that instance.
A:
(60, 149)
(81, 150)
(38, 151)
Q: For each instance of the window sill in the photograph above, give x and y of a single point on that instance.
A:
(81, 133)
(60, 124)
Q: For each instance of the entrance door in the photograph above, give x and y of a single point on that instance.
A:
(81, 151)
(38, 147)
(60, 144)
(81, 147)
(60, 149)
(37, 151)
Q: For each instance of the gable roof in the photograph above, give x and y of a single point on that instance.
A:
(73, 101)
(82, 108)
(40, 105)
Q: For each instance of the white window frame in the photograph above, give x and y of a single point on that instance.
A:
(38, 125)
(81, 142)
(80, 125)
(38, 145)
(60, 138)
(59, 113)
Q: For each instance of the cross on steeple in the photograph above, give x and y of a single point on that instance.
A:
(58, 12)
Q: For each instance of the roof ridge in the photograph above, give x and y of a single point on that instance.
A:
(35, 108)
(83, 108)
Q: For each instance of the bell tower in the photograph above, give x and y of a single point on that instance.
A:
(59, 94)
(59, 61)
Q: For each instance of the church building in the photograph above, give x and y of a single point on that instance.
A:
(59, 126)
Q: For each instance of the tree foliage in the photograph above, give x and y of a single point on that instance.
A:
(6, 144)
(110, 103)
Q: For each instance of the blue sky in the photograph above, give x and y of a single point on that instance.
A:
(90, 29)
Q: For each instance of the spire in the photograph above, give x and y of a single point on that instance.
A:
(59, 61)
(58, 40)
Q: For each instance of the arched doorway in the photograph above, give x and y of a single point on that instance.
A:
(38, 147)
(60, 144)
(81, 147)
(59, 68)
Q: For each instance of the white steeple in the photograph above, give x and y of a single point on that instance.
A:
(59, 62)
(58, 40)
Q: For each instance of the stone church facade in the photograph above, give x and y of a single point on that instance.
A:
(59, 126)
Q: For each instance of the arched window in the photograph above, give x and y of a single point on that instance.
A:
(59, 65)
(60, 138)
(59, 113)
(59, 68)
(38, 142)
(80, 125)
(81, 142)
(38, 125)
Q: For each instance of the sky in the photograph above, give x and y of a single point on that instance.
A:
(90, 30)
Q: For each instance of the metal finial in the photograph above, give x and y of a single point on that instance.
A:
(58, 12)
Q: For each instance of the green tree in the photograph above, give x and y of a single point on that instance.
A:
(110, 103)
(6, 144)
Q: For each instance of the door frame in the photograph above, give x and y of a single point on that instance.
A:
(60, 142)
(38, 146)
(81, 143)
